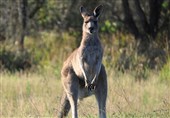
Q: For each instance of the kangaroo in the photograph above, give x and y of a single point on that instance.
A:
(83, 73)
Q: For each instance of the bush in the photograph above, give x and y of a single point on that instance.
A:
(13, 61)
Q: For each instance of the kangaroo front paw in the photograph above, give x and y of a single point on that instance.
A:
(91, 87)
(86, 84)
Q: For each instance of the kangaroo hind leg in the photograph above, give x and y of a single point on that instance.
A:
(101, 92)
(70, 83)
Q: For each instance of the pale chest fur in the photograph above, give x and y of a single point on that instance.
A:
(91, 57)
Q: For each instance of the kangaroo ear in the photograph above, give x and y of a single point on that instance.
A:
(97, 11)
(83, 11)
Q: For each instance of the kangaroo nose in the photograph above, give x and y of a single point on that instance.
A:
(91, 29)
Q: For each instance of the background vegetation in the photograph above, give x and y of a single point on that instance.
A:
(36, 36)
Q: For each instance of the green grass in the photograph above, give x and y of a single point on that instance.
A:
(39, 94)
(165, 72)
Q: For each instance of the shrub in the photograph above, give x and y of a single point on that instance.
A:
(13, 61)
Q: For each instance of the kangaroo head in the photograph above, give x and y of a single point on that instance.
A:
(90, 24)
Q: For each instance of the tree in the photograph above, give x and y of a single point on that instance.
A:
(15, 17)
(146, 28)
(25, 15)
(24, 5)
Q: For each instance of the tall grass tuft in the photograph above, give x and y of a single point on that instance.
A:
(165, 72)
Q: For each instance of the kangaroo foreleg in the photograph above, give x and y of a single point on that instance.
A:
(82, 69)
(98, 68)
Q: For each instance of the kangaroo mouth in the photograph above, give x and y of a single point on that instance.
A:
(92, 31)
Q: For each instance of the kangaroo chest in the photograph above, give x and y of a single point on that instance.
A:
(91, 59)
(90, 56)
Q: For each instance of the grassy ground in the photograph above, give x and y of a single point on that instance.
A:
(38, 95)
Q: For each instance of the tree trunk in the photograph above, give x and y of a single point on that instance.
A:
(142, 17)
(149, 26)
(129, 21)
(155, 10)
(24, 5)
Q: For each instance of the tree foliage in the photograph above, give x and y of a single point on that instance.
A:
(148, 21)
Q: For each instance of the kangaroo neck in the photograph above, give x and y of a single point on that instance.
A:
(89, 39)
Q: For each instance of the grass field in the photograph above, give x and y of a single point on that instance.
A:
(38, 95)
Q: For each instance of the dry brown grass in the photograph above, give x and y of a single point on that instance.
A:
(38, 95)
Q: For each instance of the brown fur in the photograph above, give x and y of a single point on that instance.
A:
(83, 73)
